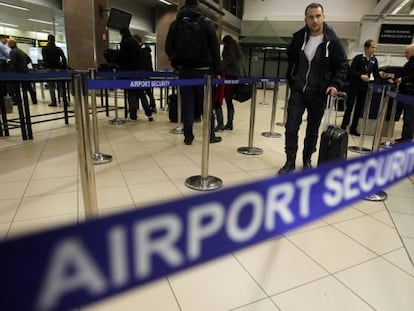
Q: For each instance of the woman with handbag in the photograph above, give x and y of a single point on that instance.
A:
(232, 59)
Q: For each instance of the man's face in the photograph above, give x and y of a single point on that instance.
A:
(371, 49)
(314, 20)
(3, 40)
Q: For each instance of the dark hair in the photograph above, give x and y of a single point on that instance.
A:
(313, 5)
(124, 32)
(368, 43)
(231, 44)
(191, 2)
(51, 38)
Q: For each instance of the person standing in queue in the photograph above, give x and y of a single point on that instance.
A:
(193, 48)
(317, 67)
(364, 69)
(406, 81)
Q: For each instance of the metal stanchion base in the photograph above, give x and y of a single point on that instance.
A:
(386, 145)
(203, 183)
(116, 121)
(358, 149)
(271, 134)
(280, 124)
(100, 158)
(177, 130)
(250, 150)
(380, 196)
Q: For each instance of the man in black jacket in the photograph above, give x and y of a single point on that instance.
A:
(407, 87)
(54, 59)
(184, 57)
(317, 67)
(130, 58)
(364, 69)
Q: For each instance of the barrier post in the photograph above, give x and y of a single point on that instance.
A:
(271, 133)
(205, 182)
(250, 150)
(391, 124)
(367, 108)
(87, 173)
(97, 156)
(117, 120)
(285, 106)
(264, 93)
(178, 129)
(382, 195)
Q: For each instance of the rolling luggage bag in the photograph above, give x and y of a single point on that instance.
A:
(334, 140)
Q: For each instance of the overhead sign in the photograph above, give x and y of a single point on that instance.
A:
(396, 34)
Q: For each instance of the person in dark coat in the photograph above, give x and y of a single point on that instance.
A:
(208, 63)
(130, 58)
(19, 61)
(364, 70)
(317, 67)
(54, 59)
(406, 81)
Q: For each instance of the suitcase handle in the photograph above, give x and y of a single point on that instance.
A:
(332, 104)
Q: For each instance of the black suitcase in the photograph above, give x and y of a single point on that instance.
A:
(172, 102)
(334, 141)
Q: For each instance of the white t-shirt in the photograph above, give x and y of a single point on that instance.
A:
(312, 45)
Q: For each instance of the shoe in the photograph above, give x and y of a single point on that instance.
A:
(188, 142)
(343, 127)
(307, 163)
(354, 132)
(150, 119)
(229, 127)
(218, 128)
(133, 118)
(288, 167)
(215, 139)
(401, 140)
(52, 105)
(154, 110)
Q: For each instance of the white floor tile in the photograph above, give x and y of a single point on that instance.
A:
(277, 265)
(326, 294)
(368, 281)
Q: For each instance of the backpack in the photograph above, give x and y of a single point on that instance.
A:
(191, 42)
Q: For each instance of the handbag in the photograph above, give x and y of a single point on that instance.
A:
(243, 92)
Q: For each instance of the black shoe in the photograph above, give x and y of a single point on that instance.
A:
(154, 110)
(229, 127)
(188, 141)
(307, 163)
(354, 132)
(150, 119)
(288, 167)
(52, 105)
(219, 128)
(401, 140)
(343, 127)
(214, 140)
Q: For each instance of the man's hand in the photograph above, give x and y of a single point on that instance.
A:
(331, 91)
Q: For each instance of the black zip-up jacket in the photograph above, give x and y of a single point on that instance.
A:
(361, 66)
(53, 57)
(211, 57)
(329, 66)
(407, 78)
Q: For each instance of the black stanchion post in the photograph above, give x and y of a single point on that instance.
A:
(117, 120)
(84, 150)
(382, 195)
(97, 156)
(205, 182)
(250, 150)
(272, 133)
(287, 91)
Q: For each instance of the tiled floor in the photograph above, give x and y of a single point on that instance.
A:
(352, 260)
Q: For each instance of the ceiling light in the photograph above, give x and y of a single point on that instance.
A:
(14, 6)
(10, 25)
(165, 2)
(400, 6)
(39, 21)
